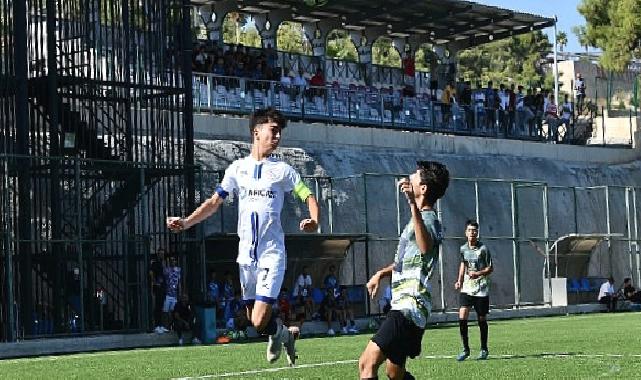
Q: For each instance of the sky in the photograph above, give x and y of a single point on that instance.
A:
(565, 11)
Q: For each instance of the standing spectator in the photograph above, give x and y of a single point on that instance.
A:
(184, 319)
(303, 288)
(157, 281)
(552, 118)
(607, 295)
(331, 281)
(566, 114)
(474, 284)
(579, 88)
(409, 67)
(504, 100)
(491, 100)
(529, 109)
(448, 97)
(172, 279)
(345, 312)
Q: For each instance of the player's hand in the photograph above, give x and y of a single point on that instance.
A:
(176, 224)
(474, 275)
(372, 286)
(308, 225)
(405, 186)
(457, 285)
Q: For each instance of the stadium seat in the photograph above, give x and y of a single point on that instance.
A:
(573, 285)
(585, 285)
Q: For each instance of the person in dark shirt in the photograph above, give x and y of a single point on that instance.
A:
(157, 281)
(629, 292)
(184, 319)
(327, 309)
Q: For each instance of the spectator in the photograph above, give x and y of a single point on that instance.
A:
(172, 279)
(284, 308)
(219, 67)
(331, 281)
(607, 295)
(552, 118)
(385, 302)
(299, 80)
(629, 292)
(345, 312)
(158, 289)
(579, 88)
(200, 59)
(184, 319)
(318, 79)
(271, 56)
(409, 67)
(491, 101)
(299, 311)
(448, 97)
(529, 108)
(234, 307)
(213, 291)
(303, 288)
(228, 292)
(566, 114)
(327, 309)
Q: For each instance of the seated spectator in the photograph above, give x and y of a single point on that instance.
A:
(303, 288)
(629, 292)
(327, 309)
(345, 312)
(184, 319)
(219, 67)
(607, 295)
(331, 281)
(284, 308)
(385, 302)
(213, 292)
(286, 79)
(318, 80)
(200, 59)
(299, 80)
(299, 311)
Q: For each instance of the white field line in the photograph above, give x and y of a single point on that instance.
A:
(429, 357)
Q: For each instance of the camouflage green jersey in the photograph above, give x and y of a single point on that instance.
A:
(411, 290)
(476, 259)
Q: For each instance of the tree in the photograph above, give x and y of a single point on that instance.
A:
(580, 33)
(516, 59)
(340, 46)
(384, 53)
(239, 28)
(561, 40)
(291, 37)
(614, 26)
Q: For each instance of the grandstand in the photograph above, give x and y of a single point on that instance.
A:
(111, 121)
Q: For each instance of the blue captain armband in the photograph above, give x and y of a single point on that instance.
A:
(221, 193)
(302, 191)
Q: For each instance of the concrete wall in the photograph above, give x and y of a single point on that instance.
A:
(335, 151)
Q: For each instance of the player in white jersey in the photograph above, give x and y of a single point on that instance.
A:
(260, 183)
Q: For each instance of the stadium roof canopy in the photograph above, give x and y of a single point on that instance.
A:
(440, 21)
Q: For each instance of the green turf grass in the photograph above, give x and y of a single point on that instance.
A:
(529, 344)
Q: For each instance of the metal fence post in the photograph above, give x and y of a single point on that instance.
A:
(515, 247)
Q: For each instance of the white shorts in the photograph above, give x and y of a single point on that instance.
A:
(260, 284)
(170, 303)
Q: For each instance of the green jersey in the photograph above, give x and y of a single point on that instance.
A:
(411, 290)
(476, 259)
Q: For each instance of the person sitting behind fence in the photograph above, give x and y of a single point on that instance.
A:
(327, 309)
(183, 320)
(607, 295)
(345, 312)
(629, 292)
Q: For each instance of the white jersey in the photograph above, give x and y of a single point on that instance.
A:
(260, 187)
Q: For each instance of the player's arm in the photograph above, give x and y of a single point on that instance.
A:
(374, 282)
(485, 271)
(459, 278)
(424, 240)
(204, 211)
(305, 194)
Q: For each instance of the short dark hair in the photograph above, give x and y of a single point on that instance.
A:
(436, 177)
(626, 280)
(265, 116)
(471, 222)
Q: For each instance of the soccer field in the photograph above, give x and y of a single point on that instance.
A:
(575, 347)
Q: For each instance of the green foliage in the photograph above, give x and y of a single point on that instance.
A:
(614, 26)
(385, 54)
(239, 28)
(425, 58)
(291, 37)
(340, 46)
(561, 40)
(512, 60)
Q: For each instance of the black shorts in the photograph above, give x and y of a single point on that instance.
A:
(481, 304)
(398, 337)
